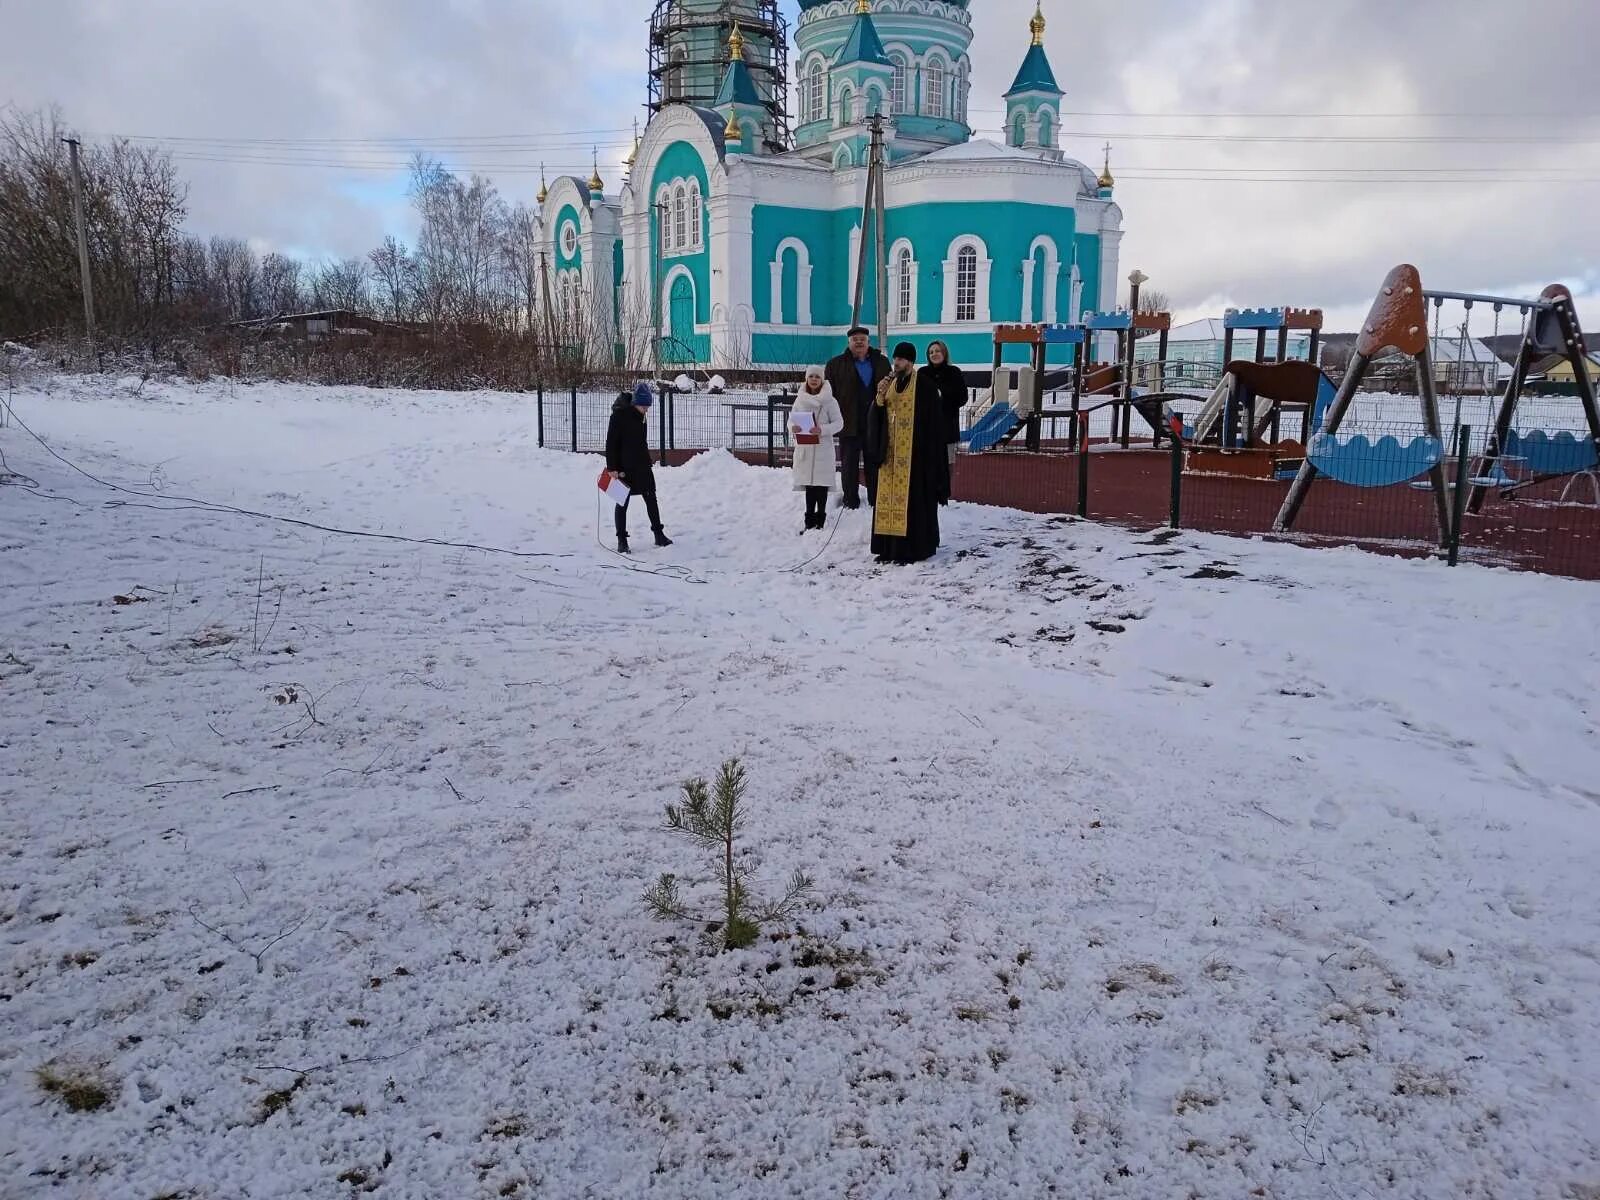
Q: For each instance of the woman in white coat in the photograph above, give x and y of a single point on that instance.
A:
(814, 471)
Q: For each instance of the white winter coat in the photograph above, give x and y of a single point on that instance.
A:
(813, 465)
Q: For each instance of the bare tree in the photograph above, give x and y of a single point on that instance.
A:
(394, 277)
(280, 284)
(1154, 302)
(340, 283)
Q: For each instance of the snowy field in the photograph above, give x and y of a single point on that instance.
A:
(1145, 866)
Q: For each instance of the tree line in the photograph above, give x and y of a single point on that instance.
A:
(475, 262)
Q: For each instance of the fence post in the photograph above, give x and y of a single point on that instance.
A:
(1175, 516)
(540, 391)
(661, 423)
(772, 455)
(574, 418)
(1458, 499)
(672, 420)
(1083, 468)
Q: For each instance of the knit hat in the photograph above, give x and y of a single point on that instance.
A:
(643, 397)
(906, 351)
(815, 370)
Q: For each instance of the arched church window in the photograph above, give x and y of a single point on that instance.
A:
(902, 277)
(680, 218)
(664, 212)
(846, 102)
(933, 87)
(1044, 130)
(967, 284)
(817, 101)
(696, 221)
(675, 61)
(897, 93)
(1019, 130)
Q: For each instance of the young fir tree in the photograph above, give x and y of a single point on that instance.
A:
(711, 817)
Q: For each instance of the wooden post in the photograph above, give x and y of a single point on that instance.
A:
(81, 222)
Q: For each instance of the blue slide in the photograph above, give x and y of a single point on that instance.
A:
(991, 428)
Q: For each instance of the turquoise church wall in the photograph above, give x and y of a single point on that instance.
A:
(681, 160)
(568, 216)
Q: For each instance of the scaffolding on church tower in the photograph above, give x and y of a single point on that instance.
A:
(689, 56)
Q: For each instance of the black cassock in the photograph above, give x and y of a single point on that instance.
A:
(929, 475)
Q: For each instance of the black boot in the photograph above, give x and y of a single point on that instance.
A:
(622, 543)
(662, 539)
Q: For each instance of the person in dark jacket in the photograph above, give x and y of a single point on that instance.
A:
(628, 458)
(854, 377)
(942, 381)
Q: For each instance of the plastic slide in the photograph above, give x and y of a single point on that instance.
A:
(993, 426)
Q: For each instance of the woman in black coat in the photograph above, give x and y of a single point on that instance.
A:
(628, 458)
(943, 381)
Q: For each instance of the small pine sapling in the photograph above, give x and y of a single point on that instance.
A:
(711, 817)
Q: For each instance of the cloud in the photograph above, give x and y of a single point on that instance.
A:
(555, 78)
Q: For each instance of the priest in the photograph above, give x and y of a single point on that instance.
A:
(906, 436)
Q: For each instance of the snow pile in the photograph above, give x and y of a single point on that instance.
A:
(1146, 865)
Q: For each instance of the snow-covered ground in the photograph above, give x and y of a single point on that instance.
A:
(1145, 866)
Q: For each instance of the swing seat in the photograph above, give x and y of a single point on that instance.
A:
(1361, 462)
(1560, 453)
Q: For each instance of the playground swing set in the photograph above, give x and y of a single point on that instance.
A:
(1399, 319)
(1237, 428)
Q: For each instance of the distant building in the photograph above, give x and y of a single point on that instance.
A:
(1202, 342)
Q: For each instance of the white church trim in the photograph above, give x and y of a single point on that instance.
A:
(802, 283)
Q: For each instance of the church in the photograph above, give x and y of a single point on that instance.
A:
(735, 234)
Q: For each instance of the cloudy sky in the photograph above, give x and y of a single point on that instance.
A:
(1245, 175)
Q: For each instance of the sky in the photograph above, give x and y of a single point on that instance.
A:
(1461, 135)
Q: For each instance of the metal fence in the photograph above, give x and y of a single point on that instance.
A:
(1390, 500)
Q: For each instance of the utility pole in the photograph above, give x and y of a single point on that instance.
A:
(83, 238)
(657, 219)
(883, 257)
(872, 207)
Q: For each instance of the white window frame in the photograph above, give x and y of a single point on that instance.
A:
(935, 76)
(696, 216)
(951, 268)
(899, 85)
(815, 90)
(680, 215)
(569, 233)
(903, 279)
(664, 211)
(847, 99)
(966, 280)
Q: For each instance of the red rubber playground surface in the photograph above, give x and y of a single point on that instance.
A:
(1533, 533)
(1133, 487)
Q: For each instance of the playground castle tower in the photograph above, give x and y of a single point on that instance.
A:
(736, 230)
